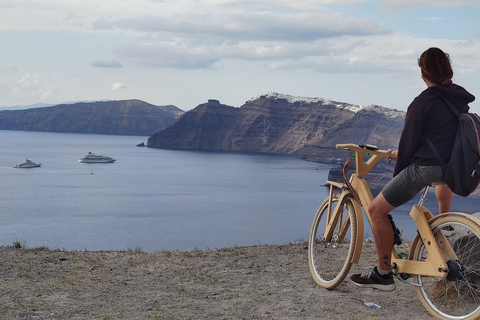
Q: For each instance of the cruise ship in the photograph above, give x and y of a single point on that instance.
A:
(28, 164)
(95, 158)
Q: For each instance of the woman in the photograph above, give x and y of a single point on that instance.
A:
(417, 166)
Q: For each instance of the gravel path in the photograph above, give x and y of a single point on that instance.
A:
(260, 282)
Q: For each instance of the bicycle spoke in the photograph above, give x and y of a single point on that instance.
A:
(341, 244)
(458, 295)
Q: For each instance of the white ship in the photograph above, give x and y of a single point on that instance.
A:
(28, 164)
(95, 158)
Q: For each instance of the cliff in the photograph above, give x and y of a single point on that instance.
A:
(203, 128)
(126, 117)
(275, 123)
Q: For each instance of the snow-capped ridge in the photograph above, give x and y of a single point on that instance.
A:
(307, 100)
(389, 113)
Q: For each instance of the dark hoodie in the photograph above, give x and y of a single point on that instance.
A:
(429, 115)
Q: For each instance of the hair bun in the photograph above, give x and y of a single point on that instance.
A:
(446, 82)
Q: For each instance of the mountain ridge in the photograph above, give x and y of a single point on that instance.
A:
(122, 117)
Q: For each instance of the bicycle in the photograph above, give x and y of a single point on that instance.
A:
(444, 256)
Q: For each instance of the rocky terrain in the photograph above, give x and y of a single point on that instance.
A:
(126, 117)
(256, 282)
(261, 282)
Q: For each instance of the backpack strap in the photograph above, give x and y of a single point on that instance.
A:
(451, 105)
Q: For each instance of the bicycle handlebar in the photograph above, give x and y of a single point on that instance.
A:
(357, 148)
(364, 167)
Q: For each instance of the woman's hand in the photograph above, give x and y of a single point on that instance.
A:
(394, 155)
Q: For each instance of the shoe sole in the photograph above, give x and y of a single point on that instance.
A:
(383, 287)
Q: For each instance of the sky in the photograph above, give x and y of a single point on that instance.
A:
(186, 52)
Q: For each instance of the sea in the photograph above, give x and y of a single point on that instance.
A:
(158, 199)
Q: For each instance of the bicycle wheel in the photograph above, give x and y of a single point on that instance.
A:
(458, 295)
(325, 271)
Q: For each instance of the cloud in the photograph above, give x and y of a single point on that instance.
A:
(199, 34)
(200, 40)
(33, 87)
(106, 64)
(393, 5)
(28, 82)
(389, 53)
(381, 54)
(49, 94)
(179, 54)
(117, 86)
(248, 26)
(108, 15)
(309, 36)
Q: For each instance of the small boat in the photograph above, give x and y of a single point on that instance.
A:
(141, 144)
(95, 158)
(28, 164)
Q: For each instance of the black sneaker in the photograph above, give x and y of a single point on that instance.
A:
(372, 279)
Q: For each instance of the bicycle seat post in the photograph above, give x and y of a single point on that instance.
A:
(423, 198)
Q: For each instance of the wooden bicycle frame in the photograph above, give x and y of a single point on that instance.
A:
(434, 265)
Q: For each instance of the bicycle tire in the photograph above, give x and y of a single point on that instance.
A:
(458, 295)
(324, 271)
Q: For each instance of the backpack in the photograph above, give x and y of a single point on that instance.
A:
(462, 172)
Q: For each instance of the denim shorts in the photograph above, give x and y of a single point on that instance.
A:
(410, 181)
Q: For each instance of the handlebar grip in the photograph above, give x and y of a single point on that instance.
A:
(357, 148)
(345, 146)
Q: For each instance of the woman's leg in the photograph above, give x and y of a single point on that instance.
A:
(380, 277)
(382, 230)
(401, 189)
(444, 197)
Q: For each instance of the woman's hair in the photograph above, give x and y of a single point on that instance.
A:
(436, 66)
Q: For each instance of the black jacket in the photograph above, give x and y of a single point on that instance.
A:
(429, 115)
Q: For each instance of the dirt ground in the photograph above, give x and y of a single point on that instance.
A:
(260, 282)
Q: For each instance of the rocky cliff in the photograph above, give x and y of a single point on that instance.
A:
(275, 123)
(126, 117)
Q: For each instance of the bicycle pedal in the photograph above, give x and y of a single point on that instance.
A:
(405, 276)
(402, 277)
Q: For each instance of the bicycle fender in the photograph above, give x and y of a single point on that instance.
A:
(466, 215)
(359, 244)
